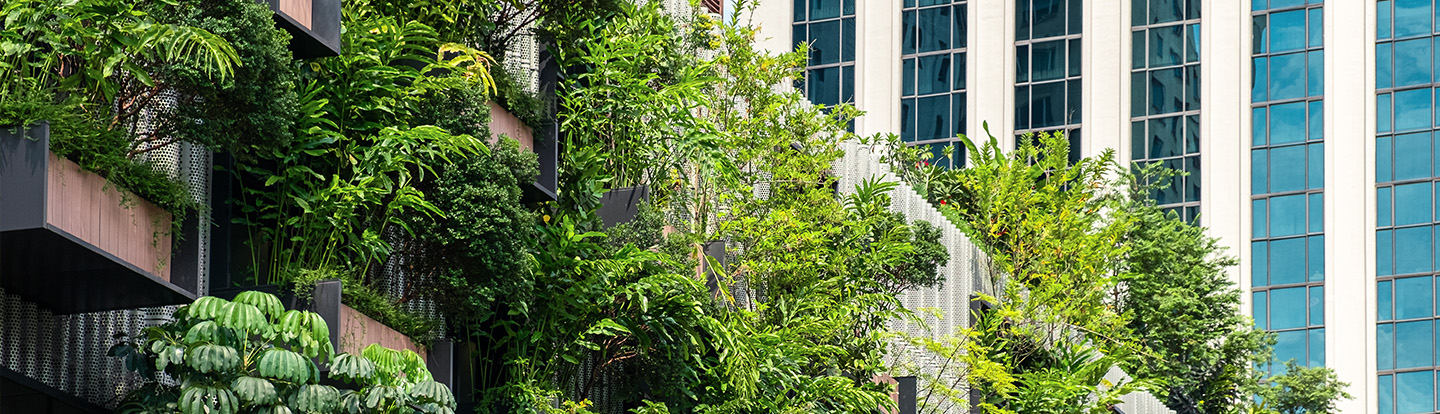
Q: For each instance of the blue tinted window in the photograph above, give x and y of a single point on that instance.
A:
(1288, 308)
(1287, 123)
(934, 27)
(907, 42)
(1287, 31)
(1317, 305)
(1385, 346)
(1384, 253)
(1315, 165)
(824, 85)
(1317, 347)
(1166, 91)
(934, 74)
(1259, 263)
(1049, 18)
(1261, 311)
(1412, 109)
(1047, 104)
(1382, 113)
(1413, 204)
(1288, 345)
(1259, 79)
(1414, 346)
(1317, 32)
(1413, 298)
(1316, 75)
(1287, 169)
(934, 118)
(1166, 46)
(1412, 62)
(1384, 65)
(907, 83)
(1287, 215)
(1412, 156)
(1387, 394)
(1048, 60)
(1259, 171)
(1165, 137)
(1317, 213)
(824, 9)
(1316, 257)
(1287, 84)
(1412, 250)
(1260, 225)
(1384, 300)
(1317, 120)
(1415, 392)
(1383, 154)
(1412, 17)
(825, 43)
(1287, 260)
(1258, 122)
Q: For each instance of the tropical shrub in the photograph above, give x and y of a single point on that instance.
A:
(251, 355)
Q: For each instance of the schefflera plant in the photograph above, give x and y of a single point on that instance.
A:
(250, 355)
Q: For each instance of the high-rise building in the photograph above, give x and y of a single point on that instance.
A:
(1307, 129)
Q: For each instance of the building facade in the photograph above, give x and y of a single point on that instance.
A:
(1308, 129)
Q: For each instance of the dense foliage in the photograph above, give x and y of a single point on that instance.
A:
(251, 355)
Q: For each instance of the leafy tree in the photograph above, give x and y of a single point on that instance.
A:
(251, 355)
(1301, 389)
(1183, 307)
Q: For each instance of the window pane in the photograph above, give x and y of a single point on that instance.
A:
(1048, 60)
(1259, 80)
(1287, 123)
(1022, 63)
(1074, 14)
(1022, 20)
(1413, 204)
(934, 29)
(824, 9)
(847, 40)
(907, 82)
(1022, 107)
(1413, 298)
(1415, 392)
(1192, 87)
(825, 43)
(934, 118)
(1260, 34)
(1412, 110)
(1414, 345)
(1317, 347)
(1192, 43)
(1287, 258)
(907, 42)
(1287, 308)
(1316, 76)
(1382, 19)
(1287, 215)
(1137, 49)
(1259, 266)
(1260, 310)
(1287, 31)
(1164, 11)
(959, 63)
(1412, 17)
(1382, 113)
(1072, 104)
(1166, 46)
(1048, 104)
(933, 74)
(824, 86)
(1383, 159)
(962, 23)
(1384, 252)
(1384, 65)
(957, 117)
(1258, 124)
(1287, 84)
(1412, 250)
(1074, 66)
(1412, 62)
(1137, 93)
(1137, 140)
(1049, 18)
(1192, 180)
(800, 10)
(907, 120)
(1317, 32)
(1317, 305)
(1167, 90)
(1315, 164)
(797, 34)
(1412, 156)
(847, 84)
(1192, 134)
(1287, 173)
(1317, 120)
(1165, 137)
(1316, 257)
(1384, 301)
(1382, 206)
(1259, 171)
(1288, 345)
(1259, 226)
(1317, 213)
(1385, 346)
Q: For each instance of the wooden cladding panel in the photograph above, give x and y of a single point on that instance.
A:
(86, 206)
(300, 10)
(502, 122)
(358, 331)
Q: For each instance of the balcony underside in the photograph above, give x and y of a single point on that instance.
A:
(67, 275)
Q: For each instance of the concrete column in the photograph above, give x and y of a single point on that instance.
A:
(1105, 91)
(1350, 199)
(877, 66)
(992, 70)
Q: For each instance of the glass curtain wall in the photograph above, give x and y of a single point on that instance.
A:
(829, 27)
(932, 103)
(1047, 68)
(1165, 96)
(1406, 179)
(1288, 178)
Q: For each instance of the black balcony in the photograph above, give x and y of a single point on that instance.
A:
(314, 26)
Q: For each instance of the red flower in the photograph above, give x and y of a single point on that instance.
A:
(942, 202)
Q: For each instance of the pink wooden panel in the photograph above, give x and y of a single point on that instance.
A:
(358, 331)
(502, 122)
(298, 10)
(85, 205)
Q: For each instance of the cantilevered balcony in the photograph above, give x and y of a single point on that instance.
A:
(72, 242)
(314, 26)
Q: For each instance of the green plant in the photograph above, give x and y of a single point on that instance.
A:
(251, 355)
(1303, 390)
(511, 95)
